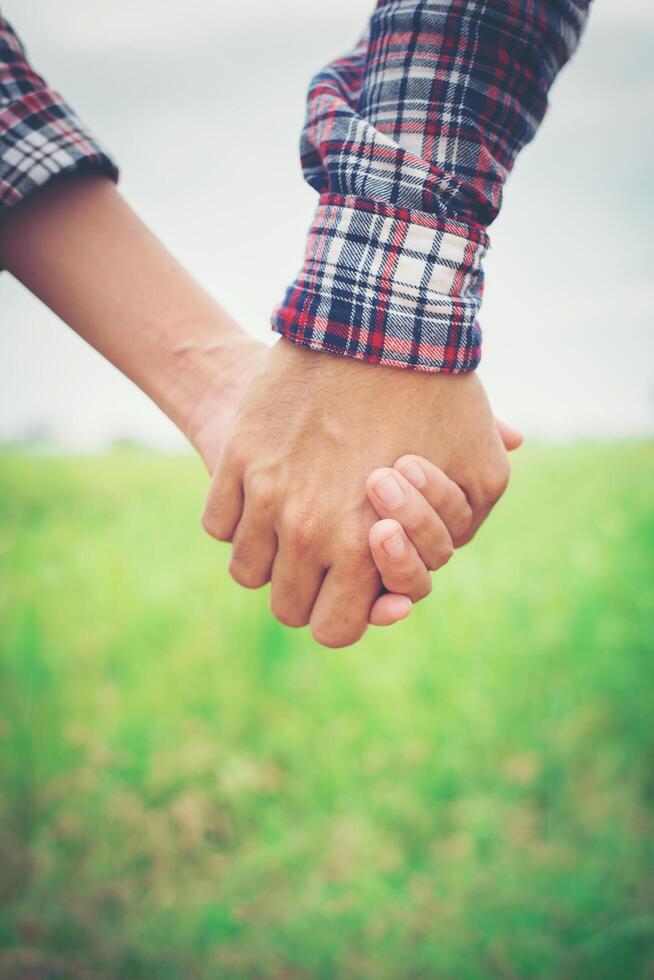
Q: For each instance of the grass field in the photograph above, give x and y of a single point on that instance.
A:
(191, 791)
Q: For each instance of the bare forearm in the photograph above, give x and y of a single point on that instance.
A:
(80, 248)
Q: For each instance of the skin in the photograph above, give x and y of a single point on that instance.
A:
(418, 531)
(288, 488)
(80, 248)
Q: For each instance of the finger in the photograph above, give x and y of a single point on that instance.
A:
(254, 545)
(511, 438)
(224, 505)
(341, 611)
(399, 564)
(389, 609)
(442, 494)
(295, 585)
(484, 492)
(393, 496)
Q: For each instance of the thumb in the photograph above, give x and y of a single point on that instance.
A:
(511, 438)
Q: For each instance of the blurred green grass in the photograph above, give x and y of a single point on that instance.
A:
(189, 790)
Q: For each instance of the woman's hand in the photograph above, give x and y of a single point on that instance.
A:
(425, 516)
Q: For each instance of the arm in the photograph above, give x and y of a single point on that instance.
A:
(408, 142)
(81, 249)
(41, 137)
(76, 244)
(66, 233)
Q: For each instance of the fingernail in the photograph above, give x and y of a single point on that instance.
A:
(394, 547)
(402, 606)
(414, 474)
(390, 491)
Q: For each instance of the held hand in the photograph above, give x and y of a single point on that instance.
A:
(418, 529)
(289, 487)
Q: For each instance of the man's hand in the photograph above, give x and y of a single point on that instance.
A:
(289, 489)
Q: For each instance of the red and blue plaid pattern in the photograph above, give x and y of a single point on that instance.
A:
(40, 135)
(408, 141)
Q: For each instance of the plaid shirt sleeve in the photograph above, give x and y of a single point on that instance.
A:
(40, 135)
(408, 141)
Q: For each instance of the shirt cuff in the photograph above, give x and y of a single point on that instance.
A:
(388, 285)
(40, 138)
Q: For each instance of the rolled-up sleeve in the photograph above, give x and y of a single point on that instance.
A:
(408, 141)
(40, 134)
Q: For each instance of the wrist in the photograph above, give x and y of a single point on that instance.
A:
(81, 249)
(220, 385)
(189, 360)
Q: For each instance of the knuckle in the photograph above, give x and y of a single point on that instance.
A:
(405, 460)
(465, 538)
(245, 564)
(439, 489)
(416, 522)
(356, 560)
(302, 527)
(263, 495)
(441, 556)
(212, 524)
(335, 639)
(461, 524)
(243, 551)
(495, 481)
(466, 516)
(401, 582)
(236, 454)
(423, 589)
(247, 575)
(417, 586)
(287, 615)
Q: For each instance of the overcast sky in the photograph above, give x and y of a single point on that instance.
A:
(202, 101)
